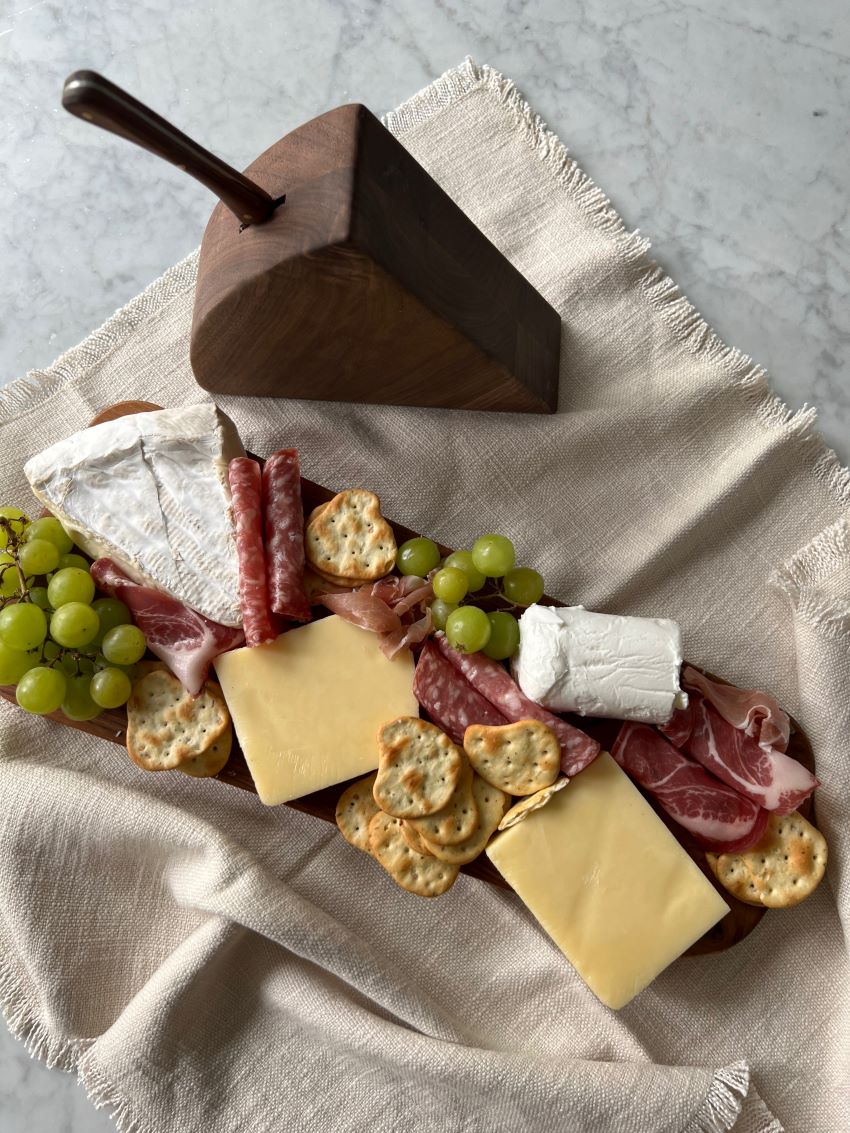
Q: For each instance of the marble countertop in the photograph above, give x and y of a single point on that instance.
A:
(718, 129)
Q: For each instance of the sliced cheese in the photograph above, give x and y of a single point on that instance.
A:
(608, 882)
(307, 707)
(576, 660)
(150, 491)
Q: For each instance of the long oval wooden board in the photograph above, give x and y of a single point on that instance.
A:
(738, 923)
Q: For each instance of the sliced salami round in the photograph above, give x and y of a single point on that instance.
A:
(246, 490)
(447, 697)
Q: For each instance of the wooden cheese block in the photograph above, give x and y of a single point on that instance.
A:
(737, 924)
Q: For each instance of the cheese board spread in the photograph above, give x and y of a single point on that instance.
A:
(241, 622)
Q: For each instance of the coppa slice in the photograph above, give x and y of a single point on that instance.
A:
(418, 769)
(150, 492)
(186, 641)
(719, 818)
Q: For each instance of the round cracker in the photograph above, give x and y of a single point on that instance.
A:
(521, 810)
(418, 768)
(424, 876)
(355, 809)
(782, 870)
(349, 539)
(413, 838)
(166, 726)
(520, 758)
(492, 804)
(211, 760)
(458, 819)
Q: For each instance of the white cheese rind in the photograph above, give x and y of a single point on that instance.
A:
(574, 660)
(150, 491)
(608, 882)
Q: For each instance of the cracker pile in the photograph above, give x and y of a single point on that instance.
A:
(431, 806)
(168, 729)
(782, 870)
(347, 541)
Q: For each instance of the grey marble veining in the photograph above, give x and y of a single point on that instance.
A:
(720, 129)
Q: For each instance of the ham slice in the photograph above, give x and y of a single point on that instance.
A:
(754, 712)
(495, 684)
(717, 816)
(765, 775)
(387, 608)
(448, 697)
(185, 640)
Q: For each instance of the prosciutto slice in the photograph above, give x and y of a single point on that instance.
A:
(448, 697)
(754, 712)
(765, 775)
(495, 684)
(387, 608)
(185, 640)
(718, 817)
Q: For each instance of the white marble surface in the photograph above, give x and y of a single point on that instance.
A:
(717, 128)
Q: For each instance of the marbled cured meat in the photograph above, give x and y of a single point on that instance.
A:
(448, 697)
(765, 775)
(185, 640)
(495, 684)
(718, 818)
(283, 519)
(751, 710)
(246, 491)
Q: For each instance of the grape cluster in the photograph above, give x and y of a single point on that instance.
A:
(59, 645)
(487, 570)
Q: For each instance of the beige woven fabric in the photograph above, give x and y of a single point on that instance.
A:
(208, 964)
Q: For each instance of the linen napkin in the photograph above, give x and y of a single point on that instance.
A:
(205, 963)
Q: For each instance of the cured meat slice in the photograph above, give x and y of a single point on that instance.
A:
(718, 817)
(751, 710)
(448, 697)
(283, 518)
(495, 684)
(246, 489)
(769, 777)
(185, 640)
(382, 607)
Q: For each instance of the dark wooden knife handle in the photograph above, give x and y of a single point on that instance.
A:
(95, 99)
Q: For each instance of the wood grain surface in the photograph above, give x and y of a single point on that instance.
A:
(368, 284)
(735, 926)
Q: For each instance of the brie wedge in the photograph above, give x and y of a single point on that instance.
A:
(150, 491)
(574, 660)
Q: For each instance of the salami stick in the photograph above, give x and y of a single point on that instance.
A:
(246, 489)
(283, 518)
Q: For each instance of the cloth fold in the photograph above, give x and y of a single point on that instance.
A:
(205, 963)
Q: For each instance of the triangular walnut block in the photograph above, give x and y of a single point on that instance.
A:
(367, 284)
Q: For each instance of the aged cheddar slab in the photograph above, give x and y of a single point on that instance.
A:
(608, 882)
(307, 707)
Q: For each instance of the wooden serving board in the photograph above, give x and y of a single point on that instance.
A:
(737, 924)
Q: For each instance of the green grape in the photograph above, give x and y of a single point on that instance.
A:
(74, 624)
(124, 645)
(468, 629)
(38, 556)
(463, 561)
(41, 690)
(50, 650)
(504, 636)
(74, 561)
(493, 555)
(14, 663)
(450, 584)
(78, 703)
(22, 626)
(51, 529)
(17, 521)
(417, 556)
(440, 611)
(38, 594)
(70, 585)
(9, 579)
(111, 613)
(110, 688)
(523, 586)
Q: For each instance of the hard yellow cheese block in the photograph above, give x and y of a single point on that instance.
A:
(608, 882)
(307, 707)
